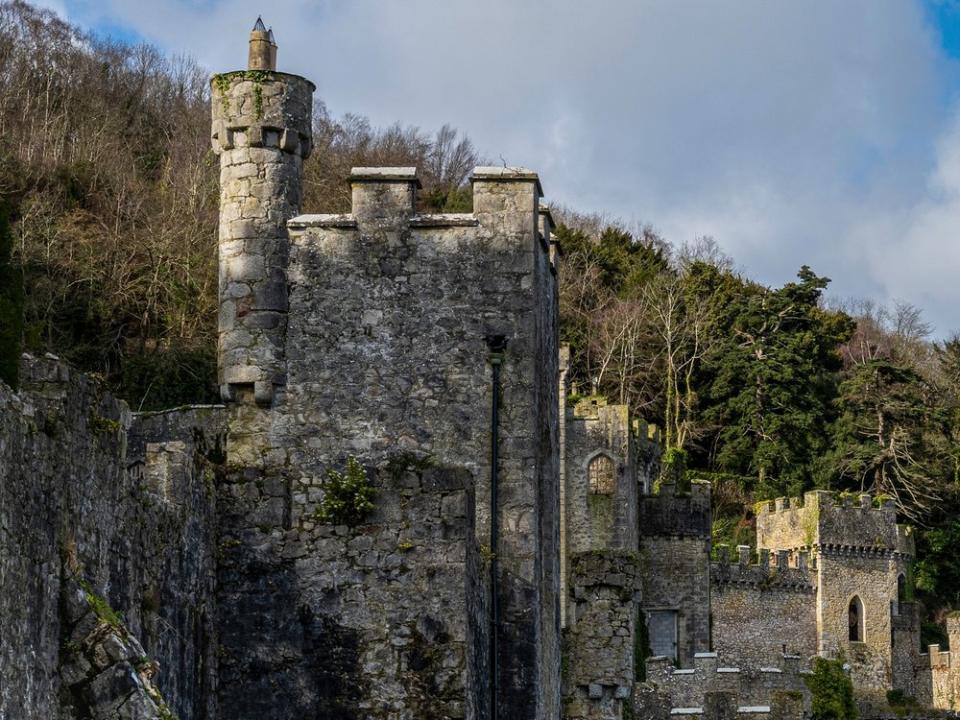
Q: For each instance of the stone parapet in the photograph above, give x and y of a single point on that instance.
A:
(672, 513)
(826, 519)
(783, 571)
(260, 108)
(714, 690)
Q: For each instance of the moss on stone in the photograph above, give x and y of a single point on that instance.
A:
(222, 82)
(104, 425)
(101, 607)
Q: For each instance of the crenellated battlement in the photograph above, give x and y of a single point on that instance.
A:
(839, 524)
(673, 513)
(775, 691)
(259, 108)
(783, 570)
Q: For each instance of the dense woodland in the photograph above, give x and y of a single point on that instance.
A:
(108, 216)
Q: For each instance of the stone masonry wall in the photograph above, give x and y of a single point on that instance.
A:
(760, 612)
(181, 453)
(677, 577)
(822, 518)
(675, 546)
(381, 620)
(777, 691)
(600, 521)
(861, 552)
(932, 677)
(75, 498)
(871, 575)
(387, 358)
(600, 640)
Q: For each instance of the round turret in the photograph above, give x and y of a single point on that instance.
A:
(261, 129)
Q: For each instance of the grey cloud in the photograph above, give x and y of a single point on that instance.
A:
(792, 132)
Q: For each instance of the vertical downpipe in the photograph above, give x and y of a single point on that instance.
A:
(497, 344)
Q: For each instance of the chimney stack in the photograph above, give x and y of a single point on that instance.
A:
(263, 49)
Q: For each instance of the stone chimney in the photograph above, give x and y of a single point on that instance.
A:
(263, 49)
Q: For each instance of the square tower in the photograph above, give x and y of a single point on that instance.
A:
(862, 557)
(402, 332)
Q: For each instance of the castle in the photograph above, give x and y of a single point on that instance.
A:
(513, 556)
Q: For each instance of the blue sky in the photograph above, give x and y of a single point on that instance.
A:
(821, 132)
(944, 15)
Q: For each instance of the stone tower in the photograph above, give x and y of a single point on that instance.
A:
(262, 132)
(862, 560)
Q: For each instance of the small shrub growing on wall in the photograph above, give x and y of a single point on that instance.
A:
(831, 691)
(348, 496)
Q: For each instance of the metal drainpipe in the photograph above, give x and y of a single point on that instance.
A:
(497, 345)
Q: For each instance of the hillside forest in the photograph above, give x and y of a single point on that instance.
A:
(108, 226)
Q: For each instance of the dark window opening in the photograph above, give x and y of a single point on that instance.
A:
(856, 620)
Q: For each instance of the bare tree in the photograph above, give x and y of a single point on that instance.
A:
(683, 322)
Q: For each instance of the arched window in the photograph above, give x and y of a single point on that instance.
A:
(600, 473)
(856, 620)
(901, 589)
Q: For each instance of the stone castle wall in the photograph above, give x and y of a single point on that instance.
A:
(931, 677)
(761, 611)
(354, 622)
(601, 636)
(712, 689)
(597, 521)
(870, 575)
(675, 547)
(861, 553)
(823, 518)
(89, 489)
(388, 357)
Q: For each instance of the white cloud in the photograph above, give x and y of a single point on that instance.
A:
(918, 252)
(792, 132)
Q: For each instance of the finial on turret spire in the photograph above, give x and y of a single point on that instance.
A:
(263, 48)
